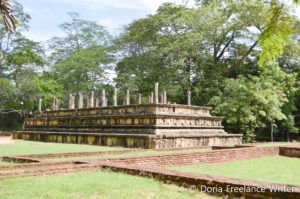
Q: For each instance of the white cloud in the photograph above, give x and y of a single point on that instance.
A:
(109, 23)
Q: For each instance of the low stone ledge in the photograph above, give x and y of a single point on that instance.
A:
(18, 159)
(190, 158)
(5, 134)
(130, 140)
(290, 151)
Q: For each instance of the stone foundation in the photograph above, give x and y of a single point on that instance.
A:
(130, 140)
(153, 126)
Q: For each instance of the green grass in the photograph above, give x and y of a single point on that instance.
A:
(100, 184)
(21, 147)
(129, 154)
(277, 144)
(273, 169)
(4, 162)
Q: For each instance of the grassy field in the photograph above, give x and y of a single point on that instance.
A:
(21, 147)
(273, 169)
(3, 162)
(129, 154)
(277, 144)
(100, 184)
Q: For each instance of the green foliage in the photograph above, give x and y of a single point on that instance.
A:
(195, 48)
(249, 102)
(81, 57)
(275, 33)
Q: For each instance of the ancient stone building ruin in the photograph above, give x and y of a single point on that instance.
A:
(157, 124)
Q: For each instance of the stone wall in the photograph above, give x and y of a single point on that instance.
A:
(290, 151)
(189, 158)
(129, 140)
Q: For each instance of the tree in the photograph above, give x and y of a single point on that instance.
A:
(199, 47)
(250, 102)
(81, 57)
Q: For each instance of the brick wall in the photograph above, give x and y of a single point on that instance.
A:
(188, 158)
(291, 151)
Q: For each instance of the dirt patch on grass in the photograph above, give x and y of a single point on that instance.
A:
(6, 140)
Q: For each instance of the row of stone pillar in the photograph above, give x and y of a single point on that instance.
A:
(94, 102)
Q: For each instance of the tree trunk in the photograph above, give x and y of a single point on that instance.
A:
(23, 116)
(271, 131)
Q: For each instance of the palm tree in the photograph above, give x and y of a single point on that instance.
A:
(9, 19)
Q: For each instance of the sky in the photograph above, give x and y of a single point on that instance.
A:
(46, 15)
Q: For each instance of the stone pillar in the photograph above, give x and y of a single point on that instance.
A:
(96, 102)
(189, 98)
(115, 103)
(151, 98)
(165, 97)
(103, 99)
(139, 98)
(71, 102)
(161, 98)
(40, 104)
(54, 104)
(80, 100)
(106, 102)
(88, 102)
(156, 93)
(91, 99)
(127, 99)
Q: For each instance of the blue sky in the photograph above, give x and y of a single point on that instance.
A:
(48, 14)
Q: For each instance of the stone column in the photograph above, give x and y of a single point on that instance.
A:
(106, 102)
(151, 98)
(115, 103)
(139, 98)
(124, 100)
(40, 104)
(96, 102)
(127, 99)
(71, 102)
(91, 99)
(80, 100)
(161, 98)
(156, 93)
(103, 99)
(165, 97)
(189, 98)
(88, 102)
(54, 104)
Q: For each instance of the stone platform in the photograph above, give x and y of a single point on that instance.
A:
(138, 126)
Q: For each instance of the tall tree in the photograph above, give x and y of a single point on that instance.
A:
(81, 57)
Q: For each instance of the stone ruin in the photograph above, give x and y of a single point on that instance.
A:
(158, 124)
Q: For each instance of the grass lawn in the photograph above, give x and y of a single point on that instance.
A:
(4, 162)
(273, 169)
(100, 184)
(22, 147)
(129, 154)
(277, 144)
